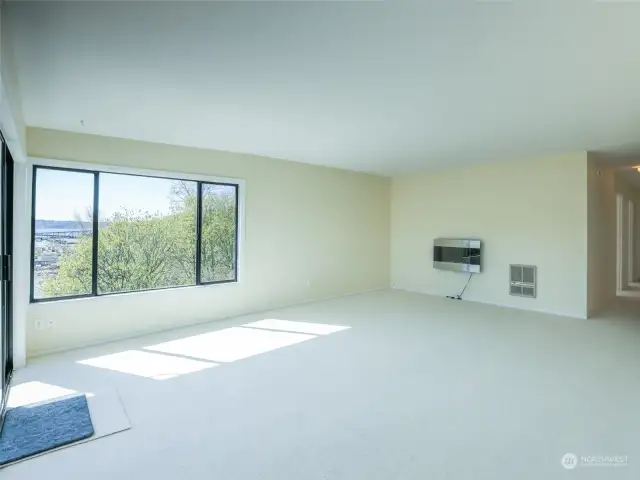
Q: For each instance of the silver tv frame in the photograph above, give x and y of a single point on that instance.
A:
(458, 243)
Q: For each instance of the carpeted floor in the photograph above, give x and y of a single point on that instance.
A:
(417, 388)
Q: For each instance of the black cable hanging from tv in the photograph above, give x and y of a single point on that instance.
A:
(459, 296)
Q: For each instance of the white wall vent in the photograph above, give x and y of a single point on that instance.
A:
(522, 280)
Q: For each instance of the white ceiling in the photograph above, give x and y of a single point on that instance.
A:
(385, 87)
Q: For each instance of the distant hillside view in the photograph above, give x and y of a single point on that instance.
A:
(42, 225)
(62, 225)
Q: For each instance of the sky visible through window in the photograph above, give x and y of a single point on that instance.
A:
(64, 195)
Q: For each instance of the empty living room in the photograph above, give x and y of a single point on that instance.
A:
(320, 240)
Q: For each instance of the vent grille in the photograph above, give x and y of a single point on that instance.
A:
(522, 281)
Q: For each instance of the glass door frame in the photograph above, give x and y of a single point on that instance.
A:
(6, 282)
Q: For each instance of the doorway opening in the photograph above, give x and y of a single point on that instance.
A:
(631, 269)
(619, 244)
(627, 284)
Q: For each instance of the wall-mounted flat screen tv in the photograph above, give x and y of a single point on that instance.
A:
(458, 254)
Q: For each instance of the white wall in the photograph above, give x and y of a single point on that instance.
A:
(310, 232)
(601, 234)
(11, 115)
(528, 212)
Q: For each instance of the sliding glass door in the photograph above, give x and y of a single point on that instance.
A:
(6, 249)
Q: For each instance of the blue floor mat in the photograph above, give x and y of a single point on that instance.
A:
(31, 430)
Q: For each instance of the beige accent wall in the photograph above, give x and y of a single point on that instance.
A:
(526, 212)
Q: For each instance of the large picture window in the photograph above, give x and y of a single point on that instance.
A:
(97, 233)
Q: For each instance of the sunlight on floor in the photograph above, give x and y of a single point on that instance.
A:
(145, 364)
(301, 327)
(230, 344)
(195, 353)
(37, 392)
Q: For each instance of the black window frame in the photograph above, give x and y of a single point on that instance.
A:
(95, 232)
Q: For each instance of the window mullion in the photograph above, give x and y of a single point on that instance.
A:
(198, 233)
(96, 224)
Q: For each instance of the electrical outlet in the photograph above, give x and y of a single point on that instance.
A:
(50, 323)
(39, 324)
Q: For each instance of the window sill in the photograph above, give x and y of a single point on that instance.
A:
(138, 292)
